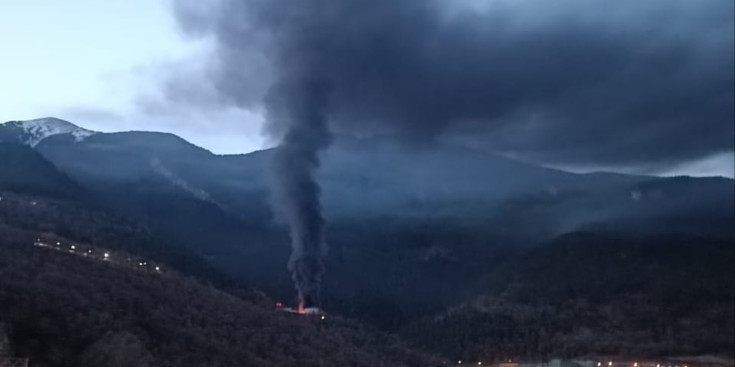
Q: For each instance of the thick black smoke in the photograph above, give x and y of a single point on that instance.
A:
(626, 82)
(298, 102)
(629, 82)
(297, 107)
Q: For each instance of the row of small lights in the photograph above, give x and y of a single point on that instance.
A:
(599, 364)
(479, 363)
(106, 255)
(89, 252)
(145, 263)
(635, 364)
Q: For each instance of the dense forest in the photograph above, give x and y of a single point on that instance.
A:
(24, 170)
(597, 294)
(66, 310)
(62, 310)
(31, 216)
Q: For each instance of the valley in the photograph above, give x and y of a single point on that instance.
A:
(482, 259)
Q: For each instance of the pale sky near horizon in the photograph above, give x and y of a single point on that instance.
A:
(92, 63)
(98, 64)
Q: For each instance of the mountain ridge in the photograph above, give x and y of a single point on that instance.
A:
(412, 232)
(410, 228)
(32, 132)
(50, 126)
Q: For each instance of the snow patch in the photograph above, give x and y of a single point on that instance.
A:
(37, 130)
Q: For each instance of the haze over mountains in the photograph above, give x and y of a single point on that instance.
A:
(362, 178)
(413, 232)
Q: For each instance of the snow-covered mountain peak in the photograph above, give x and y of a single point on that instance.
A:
(33, 132)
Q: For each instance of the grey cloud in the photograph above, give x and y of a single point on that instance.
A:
(92, 113)
(599, 82)
(577, 82)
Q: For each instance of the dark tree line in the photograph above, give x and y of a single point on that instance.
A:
(595, 294)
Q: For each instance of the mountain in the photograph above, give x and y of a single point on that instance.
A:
(684, 205)
(32, 132)
(71, 307)
(410, 230)
(387, 175)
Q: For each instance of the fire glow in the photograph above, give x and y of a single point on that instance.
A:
(301, 309)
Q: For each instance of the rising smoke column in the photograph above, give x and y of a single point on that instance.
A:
(296, 105)
(566, 81)
(300, 104)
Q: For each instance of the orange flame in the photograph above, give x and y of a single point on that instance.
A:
(301, 308)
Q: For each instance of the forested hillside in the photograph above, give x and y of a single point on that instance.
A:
(61, 309)
(22, 169)
(597, 294)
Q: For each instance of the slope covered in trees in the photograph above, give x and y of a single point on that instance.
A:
(66, 310)
(22, 169)
(597, 294)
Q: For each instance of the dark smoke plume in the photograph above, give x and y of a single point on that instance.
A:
(590, 82)
(300, 104)
(598, 82)
(296, 105)
(278, 41)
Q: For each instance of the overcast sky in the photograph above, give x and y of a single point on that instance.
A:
(138, 65)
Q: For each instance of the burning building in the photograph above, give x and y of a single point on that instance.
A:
(301, 309)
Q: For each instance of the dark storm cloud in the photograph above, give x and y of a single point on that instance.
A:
(596, 82)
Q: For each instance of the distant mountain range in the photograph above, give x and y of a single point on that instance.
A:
(387, 176)
(369, 178)
(412, 231)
